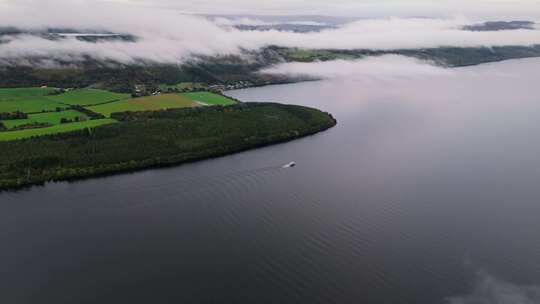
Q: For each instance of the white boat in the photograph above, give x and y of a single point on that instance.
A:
(290, 165)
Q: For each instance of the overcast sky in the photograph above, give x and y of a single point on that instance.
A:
(362, 8)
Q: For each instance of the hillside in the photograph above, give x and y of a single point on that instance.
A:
(225, 70)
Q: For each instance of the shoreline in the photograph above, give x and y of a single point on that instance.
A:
(136, 169)
(162, 161)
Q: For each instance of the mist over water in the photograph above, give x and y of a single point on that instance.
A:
(426, 192)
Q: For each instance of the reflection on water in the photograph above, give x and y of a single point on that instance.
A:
(489, 290)
(424, 182)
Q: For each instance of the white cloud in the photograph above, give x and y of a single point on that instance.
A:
(168, 36)
(382, 67)
(397, 33)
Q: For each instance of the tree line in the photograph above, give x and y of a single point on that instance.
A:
(13, 115)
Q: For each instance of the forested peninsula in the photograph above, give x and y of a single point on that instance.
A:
(155, 139)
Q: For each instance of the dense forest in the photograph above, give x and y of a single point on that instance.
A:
(152, 139)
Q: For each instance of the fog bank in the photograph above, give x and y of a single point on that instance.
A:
(381, 67)
(168, 36)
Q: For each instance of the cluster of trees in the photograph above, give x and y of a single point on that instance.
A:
(185, 90)
(32, 125)
(64, 120)
(57, 92)
(150, 139)
(13, 115)
(91, 114)
(2, 127)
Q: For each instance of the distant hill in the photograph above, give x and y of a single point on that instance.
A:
(295, 28)
(7, 33)
(277, 19)
(226, 70)
(500, 26)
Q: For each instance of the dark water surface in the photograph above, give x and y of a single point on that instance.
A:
(428, 191)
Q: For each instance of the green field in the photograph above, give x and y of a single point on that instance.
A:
(87, 97)
(151, 103)
(18, 94)
(12, 135)
(35, 100)
(33, 105)
(28, 100)
(42, 107)
(52, 118)
(209, 98)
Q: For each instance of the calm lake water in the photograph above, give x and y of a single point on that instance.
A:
(428, 191)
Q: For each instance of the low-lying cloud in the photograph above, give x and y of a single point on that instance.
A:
(397, 33)
(167, 36)
(381, 67)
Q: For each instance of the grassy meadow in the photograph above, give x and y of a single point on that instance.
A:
(46, 108)
(51, 118)
(18, 94)
(87, 97)
(28, 100)
(13, 135)
(150, 103)
(209, 98)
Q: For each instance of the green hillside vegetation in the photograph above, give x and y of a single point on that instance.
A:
(32, 105)
(46, 111)
(36, 100)
(150, 103)
(151, 139)
(28, 100)
(51, 118)
(86, 97)
(227, 70)
(18, 94)
(47, 108)
(209, 98)
(28, 133)
(308, 55)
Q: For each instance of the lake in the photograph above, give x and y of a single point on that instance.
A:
(427, 191)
